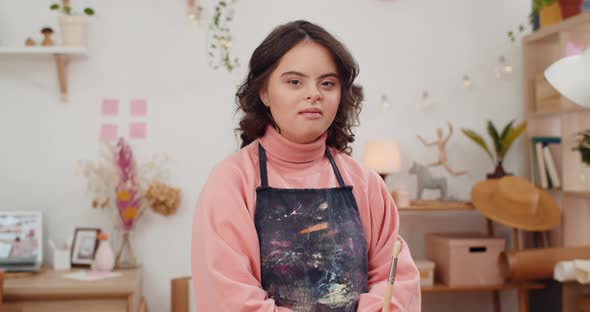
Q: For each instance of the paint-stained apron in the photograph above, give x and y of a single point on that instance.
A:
(312, 246)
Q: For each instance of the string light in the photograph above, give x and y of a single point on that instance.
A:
(467, 83)
(503, 69)
(385, 103)
(425, 103)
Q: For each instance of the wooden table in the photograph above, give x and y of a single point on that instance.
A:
(50, 291)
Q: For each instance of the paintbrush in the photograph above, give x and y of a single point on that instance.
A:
(391, 279)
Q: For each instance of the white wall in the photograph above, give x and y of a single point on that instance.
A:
(148, 49)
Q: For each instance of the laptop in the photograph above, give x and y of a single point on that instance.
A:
(21, 241)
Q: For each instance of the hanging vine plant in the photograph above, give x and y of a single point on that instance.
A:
(220, 39)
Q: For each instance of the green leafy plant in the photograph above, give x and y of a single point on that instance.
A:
(537, 6)
(66, 8)
(583, 145)
(220, 37)
(501, 141)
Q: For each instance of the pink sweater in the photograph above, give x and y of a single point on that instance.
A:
(225, 249)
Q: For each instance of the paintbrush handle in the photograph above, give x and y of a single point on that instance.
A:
(391, 277)
(387, 298)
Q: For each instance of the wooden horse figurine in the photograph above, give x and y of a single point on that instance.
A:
(427, 181)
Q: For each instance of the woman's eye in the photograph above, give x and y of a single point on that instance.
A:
(294, 82)
(328, 84)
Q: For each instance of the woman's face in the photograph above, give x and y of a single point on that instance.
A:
(303, 92)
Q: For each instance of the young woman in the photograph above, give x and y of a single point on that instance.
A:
(291, 222)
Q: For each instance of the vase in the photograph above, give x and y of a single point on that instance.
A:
(550, 15)
(73, 30)
(104, 259)
(584, 178)
(570, 8)
(498, 172)
(125, 256)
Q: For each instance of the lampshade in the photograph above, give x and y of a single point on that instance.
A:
(570, 76)
(383, 156)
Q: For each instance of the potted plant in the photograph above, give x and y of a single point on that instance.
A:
(571, 8)
(71, 23)
(543, 13)
(501, 143)
(583, 146)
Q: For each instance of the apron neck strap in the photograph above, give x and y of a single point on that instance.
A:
(264, 174)
(262, 163)
(336, 171)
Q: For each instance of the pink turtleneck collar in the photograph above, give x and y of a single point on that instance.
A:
(288, 151)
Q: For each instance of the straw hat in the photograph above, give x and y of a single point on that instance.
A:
(515, 202)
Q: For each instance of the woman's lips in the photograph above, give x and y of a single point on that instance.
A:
(311, 113)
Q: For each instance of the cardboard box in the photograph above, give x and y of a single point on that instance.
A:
(465, 259)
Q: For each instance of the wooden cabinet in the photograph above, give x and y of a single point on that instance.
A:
(50, 291)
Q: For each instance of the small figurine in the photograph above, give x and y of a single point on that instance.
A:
(47, 32)
(30, 42)
(442, 157)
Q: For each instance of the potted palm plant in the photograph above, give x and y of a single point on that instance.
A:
(502, 141)
(72, 23)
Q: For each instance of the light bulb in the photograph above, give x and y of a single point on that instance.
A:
(385, 104)
(467, 83)
(425, 102)
(503, 69)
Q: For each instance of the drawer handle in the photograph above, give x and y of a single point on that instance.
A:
(478, 249)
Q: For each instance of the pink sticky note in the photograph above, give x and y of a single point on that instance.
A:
(571, 48)
(108, 132)
(137, 130)
(138, 107)
(110, 107)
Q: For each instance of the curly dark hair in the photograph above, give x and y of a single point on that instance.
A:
(266, 57)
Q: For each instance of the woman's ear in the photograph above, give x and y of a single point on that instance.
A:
(263, 94)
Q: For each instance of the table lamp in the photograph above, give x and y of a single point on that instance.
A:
(570, 76)
(383, 157)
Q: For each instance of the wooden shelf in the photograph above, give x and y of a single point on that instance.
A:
(577, 193)
(42, 50)
(441, 288)
(543, 114)
(579, 22)
(60, 54)
(435, 205)
(556, 113)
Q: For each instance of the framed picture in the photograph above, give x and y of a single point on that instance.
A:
(84, 246)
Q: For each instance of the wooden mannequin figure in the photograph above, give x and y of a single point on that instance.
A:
(442, 157)
(47, 32)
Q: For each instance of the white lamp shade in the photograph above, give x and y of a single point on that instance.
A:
(383, 156)
(571, 77)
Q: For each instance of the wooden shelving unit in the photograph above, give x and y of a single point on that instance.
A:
(430, 205)
(61, 56)
(550, 114)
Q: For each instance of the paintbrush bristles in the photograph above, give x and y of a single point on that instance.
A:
(396, 248)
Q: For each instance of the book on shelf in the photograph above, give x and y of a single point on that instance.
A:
(546, 162)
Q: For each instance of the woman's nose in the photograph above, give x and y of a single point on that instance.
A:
(314, 95)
